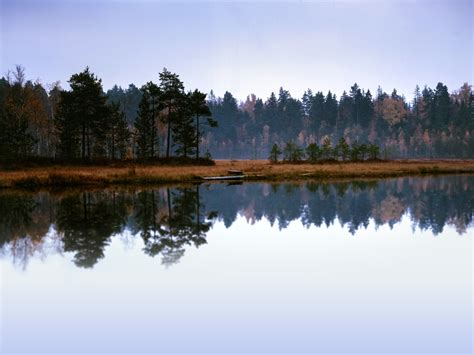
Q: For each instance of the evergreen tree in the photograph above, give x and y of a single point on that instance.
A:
(199, 108)
(292, 153)
(355, 151)
(357, 97)
(373, 151)
(427, 107)
(342, 149)
(144, 127)
(83, 117)
(118, 135)
(128, 100)
(228, 116)
(271, 111)
(317, 111)
(441, 103)
(313, 152)
(172, 92)
(145, 123)
(344, 116)
(366, 109)
(184, 129)
(275, 153)
(330, 109)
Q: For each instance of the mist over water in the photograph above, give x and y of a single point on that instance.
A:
(365, 266)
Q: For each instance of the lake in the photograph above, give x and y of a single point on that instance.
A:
(345, 267)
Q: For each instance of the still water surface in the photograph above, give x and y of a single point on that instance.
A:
(361, 267)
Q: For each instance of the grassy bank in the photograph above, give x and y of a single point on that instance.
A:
(60, 177)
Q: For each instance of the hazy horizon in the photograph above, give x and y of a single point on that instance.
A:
(244, 47)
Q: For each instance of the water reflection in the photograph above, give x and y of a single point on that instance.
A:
(169, 219)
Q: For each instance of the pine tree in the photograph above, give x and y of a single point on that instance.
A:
(313, 152)
(145, 128)
(184, 134)
(342, 149)
(199, 108)
(83, 117)
(172, 91)
(271, 111)
(317, 112)
(118, 135)
(292, 153)
(275, 153)
(442, 106)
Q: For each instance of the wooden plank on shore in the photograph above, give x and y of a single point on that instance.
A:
(228, 177)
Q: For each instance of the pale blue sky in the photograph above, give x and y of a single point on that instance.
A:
(244, 46)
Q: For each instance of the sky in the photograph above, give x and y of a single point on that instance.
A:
(252, 288)
(244, 46)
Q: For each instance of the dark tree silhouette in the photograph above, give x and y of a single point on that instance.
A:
(172, 91)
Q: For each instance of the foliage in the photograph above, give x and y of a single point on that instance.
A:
(184, 131)
(172, 92)
(83, 117)
(275, 153)
(342, 149)
(373, 151)
(200, 109)
(118, 134)
(162, 120)
(292, 153)
(313, 152)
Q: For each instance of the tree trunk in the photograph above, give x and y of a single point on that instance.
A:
(88, 144)
(168, 138)
(153, 129)
(83, 141)
(113, 144)
(197, 137)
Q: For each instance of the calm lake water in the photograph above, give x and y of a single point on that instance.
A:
(361, 267)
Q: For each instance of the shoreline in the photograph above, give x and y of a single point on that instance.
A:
(253, 170)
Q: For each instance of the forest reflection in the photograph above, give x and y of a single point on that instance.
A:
(171, 218)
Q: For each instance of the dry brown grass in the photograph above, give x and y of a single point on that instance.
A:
(58, 176)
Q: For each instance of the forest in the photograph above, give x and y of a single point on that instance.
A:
(162, 120)
(168, 220)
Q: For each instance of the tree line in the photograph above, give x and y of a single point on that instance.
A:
(161, 120)
(434, 123)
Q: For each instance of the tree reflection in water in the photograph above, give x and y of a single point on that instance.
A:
(170, 219)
